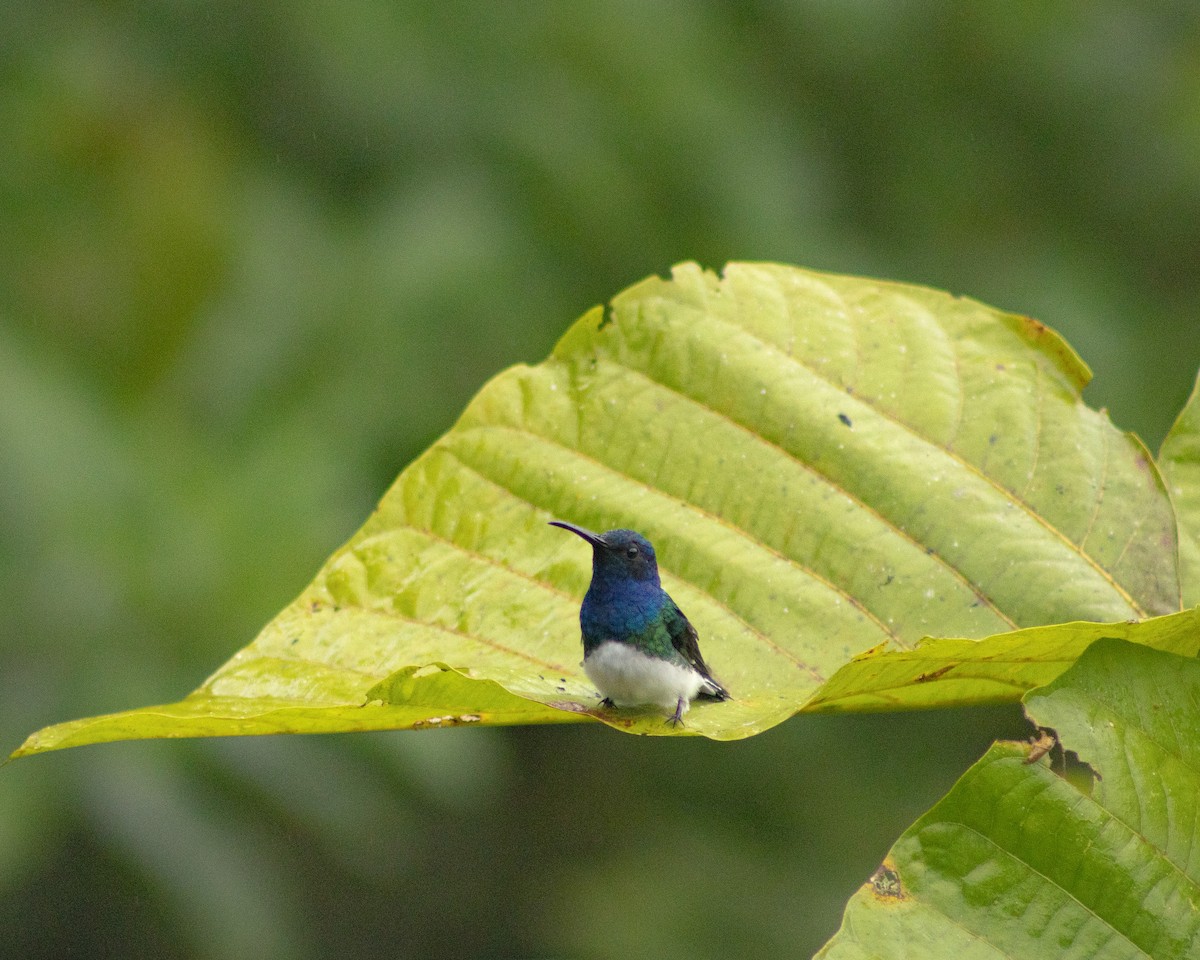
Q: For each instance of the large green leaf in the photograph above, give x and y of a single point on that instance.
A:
(1179, 460)
(1017, 861)
(824, 463)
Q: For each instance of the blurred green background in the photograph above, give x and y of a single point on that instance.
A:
(257, 256)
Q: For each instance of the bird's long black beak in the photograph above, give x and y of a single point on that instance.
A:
(593, 538)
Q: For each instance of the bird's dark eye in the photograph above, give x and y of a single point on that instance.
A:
(631, 552)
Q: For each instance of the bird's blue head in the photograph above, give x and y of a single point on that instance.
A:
(618, 556)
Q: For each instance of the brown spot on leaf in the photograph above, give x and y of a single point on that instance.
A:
(1035, 328)
(885, 883)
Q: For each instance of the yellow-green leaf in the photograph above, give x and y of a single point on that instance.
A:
(960, 672)
(824, 463)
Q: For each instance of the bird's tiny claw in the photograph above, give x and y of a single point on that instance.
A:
(676, 719)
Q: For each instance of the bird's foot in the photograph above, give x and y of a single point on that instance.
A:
(676, 719)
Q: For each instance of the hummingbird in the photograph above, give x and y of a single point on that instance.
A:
(638, 647)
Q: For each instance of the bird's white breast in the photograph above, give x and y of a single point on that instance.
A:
(629, 678)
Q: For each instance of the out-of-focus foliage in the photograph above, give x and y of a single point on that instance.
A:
(258, 256)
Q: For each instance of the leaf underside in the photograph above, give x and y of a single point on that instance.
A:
(997, 669)
(1017, 861)
(824, 464)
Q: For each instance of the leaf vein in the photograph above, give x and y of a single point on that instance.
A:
(965, 464)
(766, 640)
(837, 487)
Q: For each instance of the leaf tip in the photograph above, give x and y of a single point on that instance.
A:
(1051, 343)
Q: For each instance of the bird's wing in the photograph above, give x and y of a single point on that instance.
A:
(685, 639)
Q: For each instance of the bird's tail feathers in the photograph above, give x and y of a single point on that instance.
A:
(713, 690)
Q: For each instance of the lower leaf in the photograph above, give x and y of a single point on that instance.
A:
(1017, 861)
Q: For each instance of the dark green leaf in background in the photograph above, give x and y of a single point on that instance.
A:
(1017, 861)
(1179, 460)
(825, 463)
